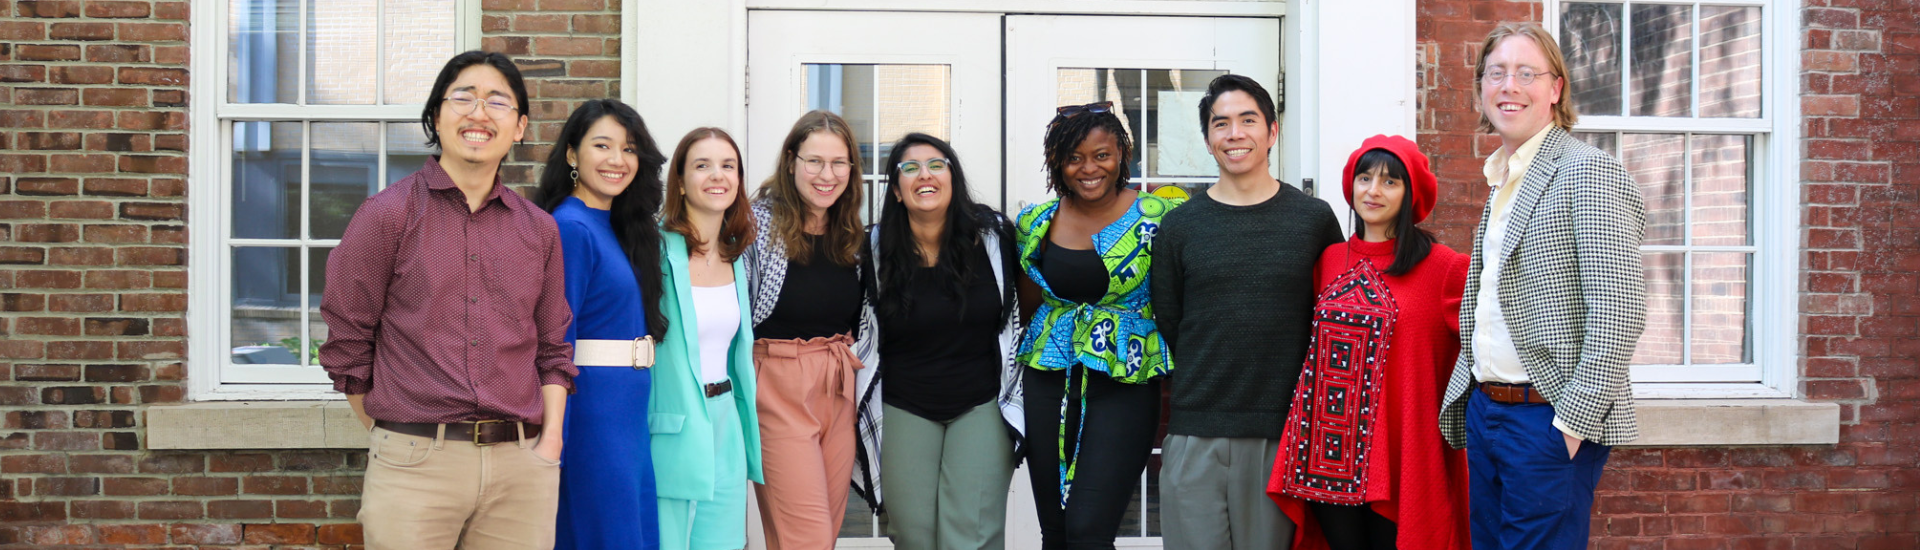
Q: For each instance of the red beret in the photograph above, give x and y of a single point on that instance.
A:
(1423, 189)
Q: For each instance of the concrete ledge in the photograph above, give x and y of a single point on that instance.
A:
(255, 425)
(1722, 422)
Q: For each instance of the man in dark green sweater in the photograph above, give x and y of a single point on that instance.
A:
(1233, 296)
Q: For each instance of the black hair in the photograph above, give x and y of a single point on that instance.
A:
(899, 254)
(1411, 242)
(1064, 135)
(1231, 83)
(634, 211)
(429, 117)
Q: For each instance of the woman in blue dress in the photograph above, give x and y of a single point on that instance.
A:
(602, 184)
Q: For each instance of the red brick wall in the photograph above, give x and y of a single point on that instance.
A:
(1859, 297)
(93, 131)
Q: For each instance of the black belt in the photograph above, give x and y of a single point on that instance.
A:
(485, 432)
(720, 388)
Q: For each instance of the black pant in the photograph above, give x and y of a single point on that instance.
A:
(1354, 527)
(1115, 443)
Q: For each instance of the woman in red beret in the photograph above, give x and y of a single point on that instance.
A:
(1361, 464)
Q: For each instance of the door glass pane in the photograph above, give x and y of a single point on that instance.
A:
(1160, 109)
(1662, 60)
(340, 53)
(1722, 174)
(1658, 162)
(266, 305)
(263, 56)
(1720, 307)
(1729, 61)
(1661, 343)
(1590, 39)
(345, 171)
(419, 37)
(266, 179)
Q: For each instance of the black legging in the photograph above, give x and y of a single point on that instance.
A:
(1118, 439)
(1354, 527)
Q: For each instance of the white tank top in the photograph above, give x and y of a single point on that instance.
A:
(718, 308)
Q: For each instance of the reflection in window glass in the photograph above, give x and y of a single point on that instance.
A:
(1722, 175)
(407, 150)
(262, 51)
(419, 37)
(266, 305)
(345, 171)
(1729, 61)
(1658, 163)
(340, 53)
(1661, 343)
(1590, 39)
(1662, 60)
(1720, 307)
(266, 180)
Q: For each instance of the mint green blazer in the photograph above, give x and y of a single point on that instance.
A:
(682, 428)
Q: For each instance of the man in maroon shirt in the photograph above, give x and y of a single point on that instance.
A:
(446, 310)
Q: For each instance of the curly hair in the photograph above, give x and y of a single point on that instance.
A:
(1064, 135)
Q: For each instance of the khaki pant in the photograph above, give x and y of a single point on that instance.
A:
(1213, 495)
(423, 493)
(806, 396)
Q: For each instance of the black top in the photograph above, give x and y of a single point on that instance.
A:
(1233, 296)
(1074, 275)
(941, 358)
(817, 300)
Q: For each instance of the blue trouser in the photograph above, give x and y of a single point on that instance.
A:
(1525, 494)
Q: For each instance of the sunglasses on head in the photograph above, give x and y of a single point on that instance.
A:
(1069, 111)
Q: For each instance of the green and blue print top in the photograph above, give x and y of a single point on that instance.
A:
(1115, 336)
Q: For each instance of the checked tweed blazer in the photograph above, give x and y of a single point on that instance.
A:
(1572, 290)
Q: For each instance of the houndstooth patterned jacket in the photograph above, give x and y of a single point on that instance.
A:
(1572, 289)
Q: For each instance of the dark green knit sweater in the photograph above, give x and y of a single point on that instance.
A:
(1233, 296)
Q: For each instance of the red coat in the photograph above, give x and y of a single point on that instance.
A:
(1412, 477)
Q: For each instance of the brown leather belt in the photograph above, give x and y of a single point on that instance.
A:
(1513, 394)
(483, 433)
(720, 388)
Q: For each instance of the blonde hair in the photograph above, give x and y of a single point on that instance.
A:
(1563, 113)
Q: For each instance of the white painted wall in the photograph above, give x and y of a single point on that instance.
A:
(1354, 68)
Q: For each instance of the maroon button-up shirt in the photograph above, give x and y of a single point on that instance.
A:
(442, 315)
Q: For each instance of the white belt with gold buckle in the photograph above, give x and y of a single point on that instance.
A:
(636, 353)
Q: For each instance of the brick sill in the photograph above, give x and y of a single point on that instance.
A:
(330, 424)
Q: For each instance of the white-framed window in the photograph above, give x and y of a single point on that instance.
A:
(1698, 100)
(305, 108)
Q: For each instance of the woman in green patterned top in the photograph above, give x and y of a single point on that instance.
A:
(1091, 390)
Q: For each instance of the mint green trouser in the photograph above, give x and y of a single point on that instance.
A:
(944, 484)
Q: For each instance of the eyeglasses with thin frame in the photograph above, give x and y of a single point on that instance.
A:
(1065, 112)
(463, 104)
(911, 168)
(813, 166)
(1523, 77)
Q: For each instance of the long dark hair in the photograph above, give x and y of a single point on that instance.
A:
(634, 209)
(899, 254)
(1411, 242)
(844, 234)
(1064, 135)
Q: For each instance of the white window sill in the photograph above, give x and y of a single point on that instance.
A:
(331, 425)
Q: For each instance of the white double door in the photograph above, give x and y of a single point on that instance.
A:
(989, 84)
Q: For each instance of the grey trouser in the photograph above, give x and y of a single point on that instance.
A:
(1213, 495)
(946, 482)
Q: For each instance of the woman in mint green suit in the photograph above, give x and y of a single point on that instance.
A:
(706, 435)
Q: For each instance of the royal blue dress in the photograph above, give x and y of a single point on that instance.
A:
(607, 498)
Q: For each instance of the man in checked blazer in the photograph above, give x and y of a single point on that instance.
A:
(1554, 303)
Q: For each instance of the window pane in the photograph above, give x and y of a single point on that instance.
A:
(407, 150)
(1720, 303)
(1722, 175)
(1080, 86)
(1657, 162)
(1662, 60)
(345, 172)
(262, 51)
(1729, 61)
(1175, 144)
(419, 38)
(1590, 39)
(1660, 343)
(316, 287)
(881, 103)
(340, 53)
(266, 180)
(266, 305)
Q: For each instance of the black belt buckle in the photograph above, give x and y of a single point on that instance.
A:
(720, 388)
